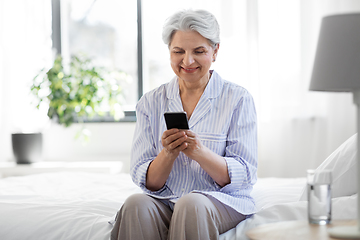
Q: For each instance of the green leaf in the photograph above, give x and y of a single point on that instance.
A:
(83, 84)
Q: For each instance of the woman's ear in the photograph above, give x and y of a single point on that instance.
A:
(216, 49)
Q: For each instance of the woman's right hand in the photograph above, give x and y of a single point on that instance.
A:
(173, 141)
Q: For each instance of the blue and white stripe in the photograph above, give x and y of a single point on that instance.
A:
(224, 119)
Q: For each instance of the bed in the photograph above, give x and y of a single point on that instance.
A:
(79, 205)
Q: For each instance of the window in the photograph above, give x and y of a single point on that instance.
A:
(107, 32)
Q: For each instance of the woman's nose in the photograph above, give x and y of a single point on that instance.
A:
(188, 59)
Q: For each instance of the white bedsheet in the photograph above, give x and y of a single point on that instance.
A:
(61, 205)
(77, 206)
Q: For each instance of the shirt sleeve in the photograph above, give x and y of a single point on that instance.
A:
(143, 150)
(241, 150)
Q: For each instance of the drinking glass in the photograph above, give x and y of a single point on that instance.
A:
(319, 196)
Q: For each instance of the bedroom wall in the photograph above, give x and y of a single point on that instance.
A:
(305, 142)
(108, 142)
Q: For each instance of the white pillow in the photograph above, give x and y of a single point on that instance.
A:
(342, 162)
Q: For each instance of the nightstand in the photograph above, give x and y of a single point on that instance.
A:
(296, 230)
(11, 169)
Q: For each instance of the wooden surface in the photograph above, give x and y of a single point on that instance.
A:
(295, 230)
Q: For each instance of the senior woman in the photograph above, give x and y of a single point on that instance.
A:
(196, 182)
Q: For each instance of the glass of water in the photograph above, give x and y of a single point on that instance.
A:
(319, 196)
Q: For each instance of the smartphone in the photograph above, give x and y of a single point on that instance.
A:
(176, 120)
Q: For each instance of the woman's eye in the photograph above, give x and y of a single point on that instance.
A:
(199, 52)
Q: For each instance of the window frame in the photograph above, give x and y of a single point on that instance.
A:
(130, 116)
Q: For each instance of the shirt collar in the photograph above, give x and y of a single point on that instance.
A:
(212, 90)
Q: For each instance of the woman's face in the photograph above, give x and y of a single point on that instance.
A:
(191, 56)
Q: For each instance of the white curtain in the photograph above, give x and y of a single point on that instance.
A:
(25, 47)
(298, 129)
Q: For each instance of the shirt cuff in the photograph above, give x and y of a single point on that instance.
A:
(236, 175)
(142, 172)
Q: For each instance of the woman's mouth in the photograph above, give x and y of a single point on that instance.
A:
(189, 70)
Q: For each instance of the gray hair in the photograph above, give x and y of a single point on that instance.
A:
(200, 21)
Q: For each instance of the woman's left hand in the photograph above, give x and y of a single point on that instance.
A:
(194, 149)
(212, 163)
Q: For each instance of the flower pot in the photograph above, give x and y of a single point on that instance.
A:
(27, 147)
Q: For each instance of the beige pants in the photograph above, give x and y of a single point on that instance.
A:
(195, 216)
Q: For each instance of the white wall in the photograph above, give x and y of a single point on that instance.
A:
(289, 148)
(108, 142)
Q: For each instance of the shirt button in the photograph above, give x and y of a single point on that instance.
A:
(183, 189)
(185, 163)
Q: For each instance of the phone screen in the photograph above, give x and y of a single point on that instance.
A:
(176, 120)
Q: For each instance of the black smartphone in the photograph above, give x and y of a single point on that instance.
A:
(176, 120)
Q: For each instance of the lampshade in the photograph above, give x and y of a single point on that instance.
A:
(337, 60)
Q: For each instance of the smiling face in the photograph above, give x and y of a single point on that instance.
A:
(191, 56)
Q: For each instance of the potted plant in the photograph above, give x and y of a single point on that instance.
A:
(79, 91)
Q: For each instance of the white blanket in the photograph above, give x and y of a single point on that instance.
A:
(75, 206)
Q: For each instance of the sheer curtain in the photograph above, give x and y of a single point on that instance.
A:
(25, 47)
(298, 129)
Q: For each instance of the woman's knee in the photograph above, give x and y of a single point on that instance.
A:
(144, 218)
(192, 203)
(193, 218)
(144, 206)
(139, 203)
(136, 200)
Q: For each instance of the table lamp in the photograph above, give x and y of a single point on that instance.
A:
(337, 69)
